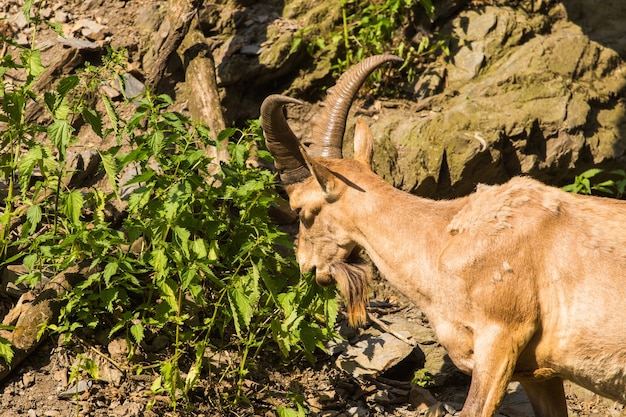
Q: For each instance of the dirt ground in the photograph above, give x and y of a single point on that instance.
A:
(44, 384)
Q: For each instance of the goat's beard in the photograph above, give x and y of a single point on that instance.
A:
(353, 280)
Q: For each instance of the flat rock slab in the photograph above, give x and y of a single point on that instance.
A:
(372, 355)
(378, 350)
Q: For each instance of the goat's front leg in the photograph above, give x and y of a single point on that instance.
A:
(495, 355)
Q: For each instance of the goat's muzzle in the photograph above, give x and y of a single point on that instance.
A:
(324, 279)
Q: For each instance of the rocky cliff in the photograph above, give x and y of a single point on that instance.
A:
(533, 88)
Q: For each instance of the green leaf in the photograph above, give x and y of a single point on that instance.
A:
(56, 27)
(226, 134)
(295, 44)
(73, 205)
(27, 163)
(67, 84)
(290, 412)
(109, 270)
(241, 308)
(35, 67)
(111, 113)
(137, 331)
(158, 260)
(590, 173)
(94, 119)
(188, 277)
(110, 167)
(167, 290)
(33, 215)
(6, 350)
(198, 247)
(182, 236)
(60, 132)
(30, 260)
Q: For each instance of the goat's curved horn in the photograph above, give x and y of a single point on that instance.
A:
(328, 129)
(281, 141)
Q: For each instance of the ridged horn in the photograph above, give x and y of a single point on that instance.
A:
(329, 127)
(281, 141)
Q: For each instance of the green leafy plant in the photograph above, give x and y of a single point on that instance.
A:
(423, 378)
(597, 180)
(193, 257)
(299, 411)
(370, 28)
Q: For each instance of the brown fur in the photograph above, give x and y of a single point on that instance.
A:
(353, 279)
(519, 281)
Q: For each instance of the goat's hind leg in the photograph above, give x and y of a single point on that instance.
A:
(546, 396)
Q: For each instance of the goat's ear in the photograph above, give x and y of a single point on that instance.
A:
(325, 178)
(363, 143)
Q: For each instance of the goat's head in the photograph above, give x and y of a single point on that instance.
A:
(312, 176)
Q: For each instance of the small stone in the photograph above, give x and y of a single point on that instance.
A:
(421, 399)
(159, 343)
(20, 20)
(436, 410)
(382, 397)
(77, 389)
(118, 348)
(250, 50)
(28, 379)
(60, 17)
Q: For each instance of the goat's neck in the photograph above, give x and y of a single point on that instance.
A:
(404, 235)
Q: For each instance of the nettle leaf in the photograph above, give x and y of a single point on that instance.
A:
(67, 84)
(167, 288)
(188, 278)
(226, 134)
(111, 113)
(6, 350)
(33, 215)
(137, 331)
(182, 236)
(158, 260)
(109, 270)
(50, 99)
(110, 167)
(281, 337)
(94, 119)
(194, 372)
(290, 412)
(109, 296)
(60, 132)
(311, 337)
(155, 140)
(241, 309)
(73, 205)
(56, 27)
(199, 248)
(27, 163)
(35, 67)
(30, 260)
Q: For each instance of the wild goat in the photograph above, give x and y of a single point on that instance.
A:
(520, 281)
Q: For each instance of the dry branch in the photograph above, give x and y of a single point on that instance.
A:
(180, 14)
(203, 95)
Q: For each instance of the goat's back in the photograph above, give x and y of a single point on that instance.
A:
(529, 252)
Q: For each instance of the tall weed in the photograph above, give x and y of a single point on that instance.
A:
(193, 257)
